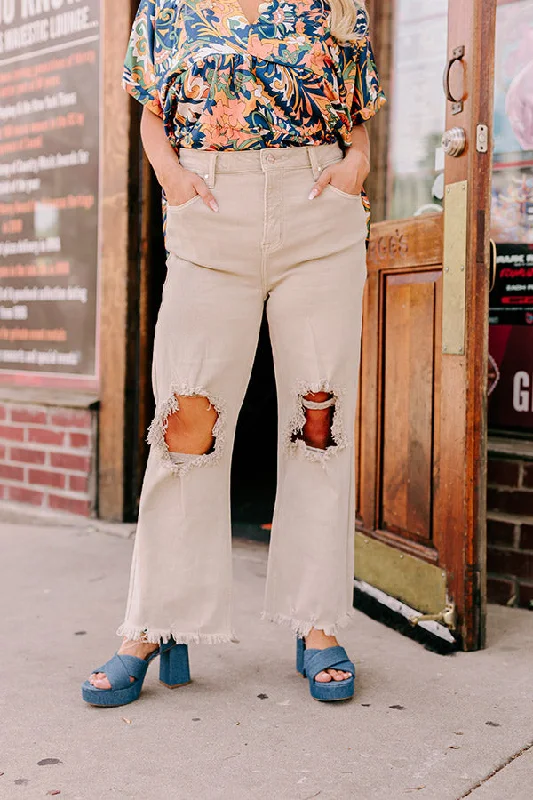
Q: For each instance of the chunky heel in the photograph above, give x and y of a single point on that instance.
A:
(174, 666)
(126, 675)
(311, 661)
(300, 651)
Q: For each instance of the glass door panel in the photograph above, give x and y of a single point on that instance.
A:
(512, 189)
(511, 296)
(416, 168)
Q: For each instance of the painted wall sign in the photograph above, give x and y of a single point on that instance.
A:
(511, 339)
(511, 377)
(49, 170)
(511, 297)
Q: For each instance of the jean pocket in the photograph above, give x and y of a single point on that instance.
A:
(181, 206)
(342, 193)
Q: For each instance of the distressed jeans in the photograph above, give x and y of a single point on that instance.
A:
(307, 260)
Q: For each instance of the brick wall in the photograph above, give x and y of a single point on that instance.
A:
(47, 457)
(510, 531)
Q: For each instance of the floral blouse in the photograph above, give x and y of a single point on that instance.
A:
(220, 83)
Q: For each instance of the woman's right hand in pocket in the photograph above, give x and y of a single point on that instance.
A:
(181, 185)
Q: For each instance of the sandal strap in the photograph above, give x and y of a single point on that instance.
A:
(121, 668)
(330, 658)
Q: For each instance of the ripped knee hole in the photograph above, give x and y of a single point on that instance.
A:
(189, 429)
(316, 432)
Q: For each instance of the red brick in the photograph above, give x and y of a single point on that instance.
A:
(512, 502)
(79, 440)
(14, 434)
(78, 483)
(3, 492)
(525, 595)
(11, 473)
(503, 472)
(20, 495)
(526, 537)
(499, 532)
(510, 562)
(43, 477)
(2, 452)
(3, 412)
(527, 476)
(28, 417)
(71, 419)
(71, 504)
(27, 456)
(45, 436)
(70, 461)
(499, 590)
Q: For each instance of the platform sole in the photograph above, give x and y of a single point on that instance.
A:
(110, 698)
(347, 689)
(337, 692)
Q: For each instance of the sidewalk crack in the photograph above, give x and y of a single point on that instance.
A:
(497, 769)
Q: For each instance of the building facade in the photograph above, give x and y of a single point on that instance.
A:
(82, 267)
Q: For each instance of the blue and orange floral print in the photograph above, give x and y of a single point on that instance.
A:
(222, 83)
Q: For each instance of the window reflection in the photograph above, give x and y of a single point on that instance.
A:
(512, 186)
(416, 180)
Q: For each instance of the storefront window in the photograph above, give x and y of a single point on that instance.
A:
(418, 108)
(511, 297)
(512, 186)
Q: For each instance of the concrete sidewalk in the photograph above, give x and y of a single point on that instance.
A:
(422, 725)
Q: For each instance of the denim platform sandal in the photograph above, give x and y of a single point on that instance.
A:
(311, 662)
(173, 672)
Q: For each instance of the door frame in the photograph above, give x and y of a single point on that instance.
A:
(119, 273)
(460, 504)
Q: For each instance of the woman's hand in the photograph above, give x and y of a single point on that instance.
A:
(181, 185)
(178, 183)
(347, 175)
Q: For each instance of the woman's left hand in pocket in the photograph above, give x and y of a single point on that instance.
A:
(347, 175)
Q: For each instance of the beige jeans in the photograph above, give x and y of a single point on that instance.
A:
(306, 260)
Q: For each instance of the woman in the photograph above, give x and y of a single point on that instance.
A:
(253, 121)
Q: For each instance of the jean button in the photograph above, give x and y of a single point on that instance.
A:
(270, 158)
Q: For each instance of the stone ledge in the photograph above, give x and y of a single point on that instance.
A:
(21, 514)
(512, 519)
(510, 447)
(39, 396)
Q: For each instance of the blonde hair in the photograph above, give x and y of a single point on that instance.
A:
(343, 19)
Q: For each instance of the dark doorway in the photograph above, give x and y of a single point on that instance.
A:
(254, 470)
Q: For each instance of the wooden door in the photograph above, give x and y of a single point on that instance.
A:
(421, 428)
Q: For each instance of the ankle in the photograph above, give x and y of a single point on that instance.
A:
(317, 639)
(137, 648)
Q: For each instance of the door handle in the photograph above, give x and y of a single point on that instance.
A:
(457, 103)
(454, 142)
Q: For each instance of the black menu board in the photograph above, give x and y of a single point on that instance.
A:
(49, 179)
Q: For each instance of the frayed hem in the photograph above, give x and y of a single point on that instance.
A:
(159, 425)
(155, 636)
(301, 628)
(294, 441)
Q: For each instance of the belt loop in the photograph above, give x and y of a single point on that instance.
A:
(314, 161)
(211, 171)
